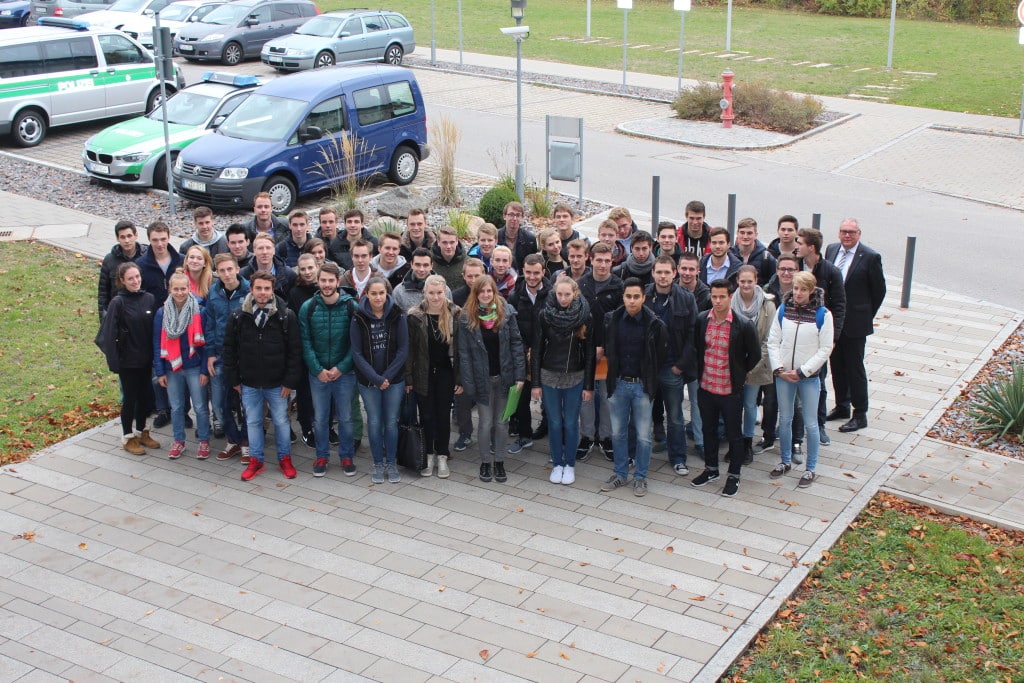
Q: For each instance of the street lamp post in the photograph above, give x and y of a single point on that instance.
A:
(519, 34)
(433, 42)
(682, 6)
(625, 6)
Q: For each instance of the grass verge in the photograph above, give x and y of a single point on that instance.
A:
(956, 67)
(907, 594)
(55, 381)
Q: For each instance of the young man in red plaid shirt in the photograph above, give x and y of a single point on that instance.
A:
(727, 349)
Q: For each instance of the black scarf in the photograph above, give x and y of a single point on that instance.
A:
(565, 320)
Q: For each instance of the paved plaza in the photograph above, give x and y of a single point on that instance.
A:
(123, 568)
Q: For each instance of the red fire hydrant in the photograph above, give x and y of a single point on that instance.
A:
(726, 103)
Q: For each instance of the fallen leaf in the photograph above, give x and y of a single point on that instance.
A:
(699, 598)
(83, 546)
(519, 509)
(531, 655)
(849, 474)
(484, 654)
(29, 536)
(440, 589)
(584, 564)
(563, 655)
(670, 550)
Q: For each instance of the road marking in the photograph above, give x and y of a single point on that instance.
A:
(881, 148)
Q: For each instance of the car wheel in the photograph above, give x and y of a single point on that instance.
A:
(393, 55)
(160, 172)
(24, 20)
(323, 59)
(282, 193)
(156, 98)
(28, 128)
(232, 54)
(404, 165)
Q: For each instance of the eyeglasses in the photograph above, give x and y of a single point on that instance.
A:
(513, 215)
(786, 270)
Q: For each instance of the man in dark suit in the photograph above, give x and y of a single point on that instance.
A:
(864, 283)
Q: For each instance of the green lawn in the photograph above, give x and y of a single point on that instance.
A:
(55, 381)
(905, 595)
(977, 69)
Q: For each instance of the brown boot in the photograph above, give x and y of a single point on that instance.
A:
(133, 446)
(148, 441)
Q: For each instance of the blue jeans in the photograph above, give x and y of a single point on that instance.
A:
(696, 424)
(382, 408)
(227, 396)
(629, 400)
(253, 399)
(562, 407)
(181, 385)
(595, 420)
(808, 389)
(750, 392)
(341, 390)
(672, 388)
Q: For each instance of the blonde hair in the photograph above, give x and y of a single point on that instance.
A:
(543, 236)
(205, 279)
(444, 317)
(805, 280)
(472, 310)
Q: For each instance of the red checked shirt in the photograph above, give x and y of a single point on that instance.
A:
(716, 379)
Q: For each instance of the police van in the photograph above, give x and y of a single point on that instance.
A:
(63, 72)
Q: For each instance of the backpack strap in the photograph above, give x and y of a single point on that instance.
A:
(819, 316)
(782, 312)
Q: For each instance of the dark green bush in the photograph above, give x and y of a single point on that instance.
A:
(492, 204)
(754, 104)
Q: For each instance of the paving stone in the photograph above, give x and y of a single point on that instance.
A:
(348, 661)
(386, 670)
(402, 652)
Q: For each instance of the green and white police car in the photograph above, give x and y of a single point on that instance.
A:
(132, 152)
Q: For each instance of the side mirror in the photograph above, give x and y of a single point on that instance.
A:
(218, 120)
(148, 13)
(310, 133)
(252, 20)
(344, 34)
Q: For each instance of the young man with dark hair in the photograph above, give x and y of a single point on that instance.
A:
(409, 293)
(227, 293)
(640, 261)
(390, 262)
(727, 349)
(513, 235)
(528, 297)
(688, 271)
(359, 274)
(785, 243)
(127, 250)
(693, 236)
(237, 238)
(290, 249)
(576, 255)
(265, 259)
(751, 252)
(327, 228)
(449, 257)
(204, 234)
(157, 265)
(486, 241)
(564, 219)
(830, 280)
(636, 345)
(667, 245)
(339, 250)
(264, 220)
(418, 234)
(719, 263)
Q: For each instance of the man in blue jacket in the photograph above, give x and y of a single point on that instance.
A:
(227, 293)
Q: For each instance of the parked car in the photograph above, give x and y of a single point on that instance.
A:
(67, 8)
(15, 13)
(174, 16)
(345, 36)
(64, 72)
(132, 152)
(122, 12)
(238, 30)
(289, 137)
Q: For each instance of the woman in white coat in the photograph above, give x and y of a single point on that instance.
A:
(800, 342)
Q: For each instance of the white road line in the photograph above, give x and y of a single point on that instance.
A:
(881, 148)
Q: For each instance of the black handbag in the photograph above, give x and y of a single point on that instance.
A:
(412, 447)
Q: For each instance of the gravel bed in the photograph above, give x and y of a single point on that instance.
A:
(958, 427)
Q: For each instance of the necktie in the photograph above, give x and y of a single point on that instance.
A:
(842, 261)
(261, 317)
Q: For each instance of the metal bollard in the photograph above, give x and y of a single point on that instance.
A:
(816, 221)
(655, 201)
(730, 221)
(908, 271)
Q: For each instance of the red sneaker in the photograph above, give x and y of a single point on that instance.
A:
(254, 468)
(287, 469)
(204, 450)
(177, 448)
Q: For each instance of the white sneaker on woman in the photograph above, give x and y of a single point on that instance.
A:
(556, 474)
(568, 475)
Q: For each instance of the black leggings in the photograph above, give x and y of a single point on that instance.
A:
(138, 398)
(435, 410)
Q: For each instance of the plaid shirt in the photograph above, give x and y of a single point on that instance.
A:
(716, 379)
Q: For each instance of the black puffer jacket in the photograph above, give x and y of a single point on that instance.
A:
(526, 310)
(108, 274)
(267, 358)
(561, 351)
(126, 336)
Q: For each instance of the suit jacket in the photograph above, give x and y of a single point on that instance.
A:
(865, 289)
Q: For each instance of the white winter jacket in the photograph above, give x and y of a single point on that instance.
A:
(797, 342)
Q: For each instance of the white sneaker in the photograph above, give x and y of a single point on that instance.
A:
(556, 474)
(568, 475)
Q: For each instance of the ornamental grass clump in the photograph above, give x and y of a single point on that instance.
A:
(999, 407)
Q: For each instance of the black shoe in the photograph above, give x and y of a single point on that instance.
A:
(704, 477)
(659, 431)
(583, 450)
(838, 413)
(499, 472)
(309, 438)
(765, 444)
(854, 424)
(542, 431)
(294, 436)
(356, 444)
(332, 437)
(748, 450)
(485, 471)
(606, 446)
(218, 430)
(162, 419)
(188, 422)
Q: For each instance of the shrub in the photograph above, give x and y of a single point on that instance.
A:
(999, 407)
(540, 202)
(754, 104)
(492, 204)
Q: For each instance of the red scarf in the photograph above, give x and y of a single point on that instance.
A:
(170, 349)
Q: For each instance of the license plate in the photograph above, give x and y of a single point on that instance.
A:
(193, 185)
(100, 168)
(42, 10)
(5, 12)
(185, 48)
(275, 60)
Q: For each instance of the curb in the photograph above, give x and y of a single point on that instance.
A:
(621, 128)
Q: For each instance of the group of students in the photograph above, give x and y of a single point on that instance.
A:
(608, 336)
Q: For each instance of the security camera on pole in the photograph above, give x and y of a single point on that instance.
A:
(518, 33)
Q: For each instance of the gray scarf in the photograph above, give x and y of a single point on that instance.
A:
(752, 312)
(177, 321)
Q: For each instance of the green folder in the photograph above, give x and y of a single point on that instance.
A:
(513, 401)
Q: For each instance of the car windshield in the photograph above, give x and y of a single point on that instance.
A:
(176, 12)
(128, 5)
(322, 27)
(228, 14)
(187, 108)
(264, 118)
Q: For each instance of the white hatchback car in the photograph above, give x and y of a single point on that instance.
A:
(174, 16)
(121, 12)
